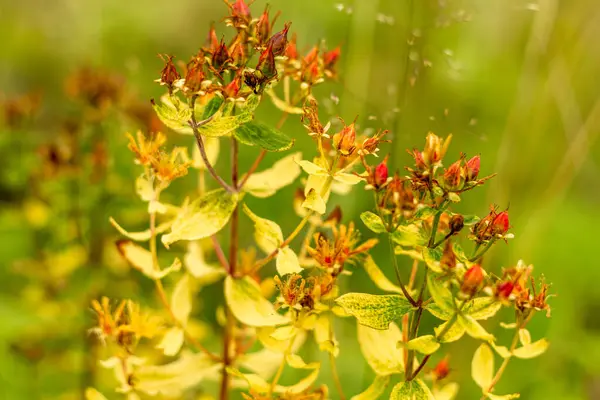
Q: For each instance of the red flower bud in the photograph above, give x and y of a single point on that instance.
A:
(212, 42)
(263, 27)
(232, 89)
(195, 74)
(419, 160)
(169, 73)
(279, 40)
(441, 370)
(344, 141)
(330, 58)
(504, 289)
(472, 280)
(291, 50)
(472, 168)
(453, 177)
(220, 56)
(266, 62)
(381, 173)
(501, 224)
(240, 9)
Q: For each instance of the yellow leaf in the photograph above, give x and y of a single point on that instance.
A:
(196, 265)
(253, 381)
(212, 146)
(143, 235)
(345, 178)
(265, 183)
(144, 188)
(482, 367)
(412, 390)
(141, 259)
(295, 361)
(93, 394)
(482, 308)
(287, 262)
(378, 277)
(474, 329)
(503, 397)
(524, 337)
(501, 350)
(282, 105)
(284, 333)
(532, 350)
(380, 350)
(375, 390)
(311, 168)
(172, 341)
(426, 344)
(203, 217)
(181, 300)
(446, 392)
(267, 233)
(322, 330)
(314, 202)
(248, 305)
(263, 362)
(375, 311)
(455, 332)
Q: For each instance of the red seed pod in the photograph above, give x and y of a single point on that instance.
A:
(419, 160)
(212, 41)
(195, 74)
(169, 73)
(266, 62)
(240, 9)
(504, 289)
(472, 168)
(220, 56)
(263, 27)
(279, 40)
(344, 141)
(501, 223)
(330, 58)
(441, 370)
(381, 173)
(472, 280)
(453, 177)
(233, 88)
(291, 51)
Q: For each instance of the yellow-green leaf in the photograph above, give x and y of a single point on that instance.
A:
(372, 310)
(282, 105)
(174, 114)
(438, 312)
(373, 222)
(409, 235)
(258, 134)
(143, 235)
(204, 272)
(248, 305)
(93, 394)
(375, 390)
(267, 182)
(378, 277)
(346, 178)
(482, 367)
(492, 396)
(312, 168)
(223, 123)
(314, 202)
(501, 350)
(474, 329)
(181, 300)
(267, 233)
(432, 258)
(442, 296)
(446, 392)
(203, 217)
(455, 332)
(426, 344)
(524, 336)
(412, 390)
(172, 341)
(482, 308)
(141, 259)
(287, 262)
(532, 349)
(380, 350)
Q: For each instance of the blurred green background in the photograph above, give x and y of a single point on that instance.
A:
(513, 80)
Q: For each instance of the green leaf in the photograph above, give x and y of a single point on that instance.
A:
(453, 197)
(427, 344)
(474, 329)
(482, 367)
(374, 311)
(174, 114)
(378, 277)
(442, 296)
(267, 234)
(432, 258)
(380, 350)
(258, 134)
(373, 222)
(482, 308)
(267, 182)
(532, 350)
(455, 332)
(438, 312)
(248, 305)
(375, 390)
(203, 217)
(211, 107)
(412, 390)
(409, 235)
(223, 123)
(470, 220)
(424, 213)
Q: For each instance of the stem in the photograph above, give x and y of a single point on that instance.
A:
(334, 371)
(194, 124)
(434, 226)
(414, 329)
(233, 249)
(397, 269)
(482, 252)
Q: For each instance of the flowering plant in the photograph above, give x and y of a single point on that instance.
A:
(213, 98)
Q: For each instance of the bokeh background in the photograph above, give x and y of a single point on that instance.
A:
(513, 80)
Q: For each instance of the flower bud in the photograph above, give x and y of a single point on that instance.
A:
(441, 370)
(435, 149)
(212, 42)
(169, 73)
(419, 161)
(453, 177)
(330, 58)
(233, 88)
(381, 173)
(279, 40)
(472, 280)
(457, 222)
(240, 9)
(194, 75)
(266, 62)
(291, 51)
(472, 168)
(504, 289)
(501, 224)
(344, 141)
(263, 27)
(220, 56)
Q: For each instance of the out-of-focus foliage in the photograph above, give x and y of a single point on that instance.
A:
(512, 80)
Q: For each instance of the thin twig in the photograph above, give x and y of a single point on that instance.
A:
(397, 270)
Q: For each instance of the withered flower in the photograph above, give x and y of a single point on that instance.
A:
(146, 149)
(169, 73)
(345, 140)
(279, 40)
(195, 74)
